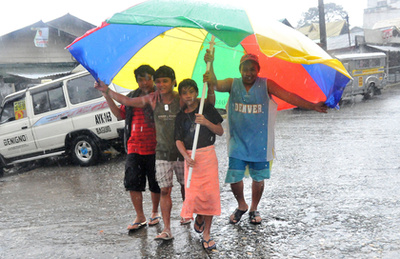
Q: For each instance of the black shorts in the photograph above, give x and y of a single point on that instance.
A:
(137, 168)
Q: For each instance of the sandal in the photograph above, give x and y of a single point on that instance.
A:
(136, 226)
(200, 226)
(154, 221)
(164, 236)
(185, 221)
(208, 248)
(252, 217)
(237, 215)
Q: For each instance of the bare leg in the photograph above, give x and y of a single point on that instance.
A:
(137, 201)
(257, 191)
(207, 230)
(184, 221)
(155, 199)
(166, 206)
(237, 190)
(183, 191)
(198, 223)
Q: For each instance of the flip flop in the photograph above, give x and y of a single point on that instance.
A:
(132, 227)
(185, 221)
(252, 217)
(166, 238)
(199, 225)
(154, 221)
(237, 215)
(208, 248)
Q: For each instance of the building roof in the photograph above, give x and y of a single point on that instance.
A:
(40, 72)
(19, 47)
(332, 29)
(342, 41)
(385, 48)
(38, 50)
(286, 22)
(71, 25)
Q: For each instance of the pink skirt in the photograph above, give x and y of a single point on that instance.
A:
(203, 196)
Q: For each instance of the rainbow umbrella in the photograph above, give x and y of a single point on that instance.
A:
(177, 33)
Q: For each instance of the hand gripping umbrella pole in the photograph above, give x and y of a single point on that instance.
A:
(196, 133)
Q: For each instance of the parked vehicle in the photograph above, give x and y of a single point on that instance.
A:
(67, 116)
(368, 72)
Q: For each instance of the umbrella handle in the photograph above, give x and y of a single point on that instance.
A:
(196, 134)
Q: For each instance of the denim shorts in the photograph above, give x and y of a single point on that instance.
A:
(258, 170)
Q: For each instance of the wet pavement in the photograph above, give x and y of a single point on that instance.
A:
(334, 193)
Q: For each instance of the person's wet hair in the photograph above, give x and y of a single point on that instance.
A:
(164, 71)
(143, 70)
(187, 83)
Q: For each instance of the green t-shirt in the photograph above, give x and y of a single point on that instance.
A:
(164, 118)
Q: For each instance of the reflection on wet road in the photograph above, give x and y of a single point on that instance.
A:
(333, 194)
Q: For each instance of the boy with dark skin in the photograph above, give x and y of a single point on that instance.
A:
(203, 197)
(166, 104)
(251, 116)
(140, 137)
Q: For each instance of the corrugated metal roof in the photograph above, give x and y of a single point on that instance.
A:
(342, 41)
(39, 73)
(385, 48)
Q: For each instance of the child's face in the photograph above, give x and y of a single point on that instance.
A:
(188, 95)
(145, 83)
(164, 84)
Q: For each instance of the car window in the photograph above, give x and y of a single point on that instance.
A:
(81, 89)
(41, 102)
(48, 100)
(56, 98)
(14, 109)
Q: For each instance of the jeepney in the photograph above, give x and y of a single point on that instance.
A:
(368, 72)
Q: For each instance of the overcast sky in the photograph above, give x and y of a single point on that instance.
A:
(16, 14)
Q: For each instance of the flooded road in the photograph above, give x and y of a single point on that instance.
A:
(334, 193)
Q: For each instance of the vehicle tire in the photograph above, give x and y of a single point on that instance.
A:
(1, 172)
(377, 91)
(370, 91)
(84, 151)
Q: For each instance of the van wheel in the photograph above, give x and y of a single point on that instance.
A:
(1, 171)
(84, 151)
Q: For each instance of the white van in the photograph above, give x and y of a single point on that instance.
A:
(67, 116)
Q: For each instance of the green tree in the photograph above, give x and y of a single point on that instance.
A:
(333, 12)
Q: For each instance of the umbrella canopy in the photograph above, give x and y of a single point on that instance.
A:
(177, 33)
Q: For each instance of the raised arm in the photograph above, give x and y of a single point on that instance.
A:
(210, 95)
(127, 101)
(294, 99)
(210, 78)
(113, 107)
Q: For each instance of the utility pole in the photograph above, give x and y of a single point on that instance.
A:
(348, 29)
(322, 27)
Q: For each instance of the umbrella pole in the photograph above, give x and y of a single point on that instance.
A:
(196, 134)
